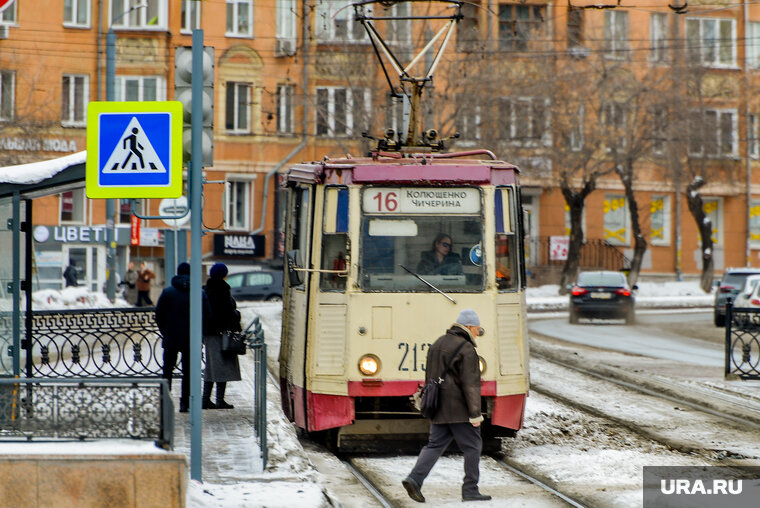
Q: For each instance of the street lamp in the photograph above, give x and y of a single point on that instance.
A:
(110, 203)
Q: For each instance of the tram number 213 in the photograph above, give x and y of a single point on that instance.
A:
(413, 356)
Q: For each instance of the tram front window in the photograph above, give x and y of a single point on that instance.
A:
(444, 250)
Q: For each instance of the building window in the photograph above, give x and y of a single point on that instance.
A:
(576, 130)
(753, 44)
(518, 24)
(238, 205)
(754, 133)
(153, 15)
(574, 27)
(470, 120)
(8, 16)
(525, 121)
(75, 95)
(713, 211)
(286, 19)
(341, 111)
(76, 13)
(658, 37)
(659, 218)
(191, 15)
(124, 210)
(285, 109)
(336, 22)
(711, 41)
(139, 88)
(616, 34)
(73, 206)
(7, 94)
(400, 30)
(713, 134)
(237, 107)
(394, 114)
(614, 118)
(754, 223)
(615, 220)
(239, 18)
(659, 130)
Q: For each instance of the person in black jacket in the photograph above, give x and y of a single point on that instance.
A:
(173, 320)
(440, 260)
(459, 412)
(220, 367)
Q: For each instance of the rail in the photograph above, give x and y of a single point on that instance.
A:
(86, 408)
(742, 342)
(255, 341)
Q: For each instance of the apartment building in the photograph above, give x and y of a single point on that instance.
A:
(296, 81)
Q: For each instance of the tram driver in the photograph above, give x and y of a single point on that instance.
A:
(440, 260)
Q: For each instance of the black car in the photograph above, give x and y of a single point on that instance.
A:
(602, 294)
(730, 285)
(256, 285)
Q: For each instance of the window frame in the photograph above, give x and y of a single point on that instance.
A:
(9, 16)
(754, 136)
(285, 115)
(616, 45)
(287, 21)
(325, 19)
(615, 116)
(120, 90)
(611, 237)
(664, 200)
(233, 181)
(658, 37)
(187, 23)
(754, 223)
(328, 118)
(516, 105)
(699, 51)
(234, 127)
(10, 103)
(523, 30)
(75, 10)
(719, 113)
(236, 32)
(76, 195)
(752, 51)
(69, 120)
(138, 19)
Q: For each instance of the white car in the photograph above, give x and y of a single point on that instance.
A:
(748, 295)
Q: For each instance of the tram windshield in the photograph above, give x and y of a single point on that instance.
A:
(437, 243)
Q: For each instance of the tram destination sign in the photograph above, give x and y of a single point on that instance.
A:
(430, 200)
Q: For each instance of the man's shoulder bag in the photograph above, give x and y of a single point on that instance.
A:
(425, 400)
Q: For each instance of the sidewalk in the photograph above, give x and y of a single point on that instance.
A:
(232, 468)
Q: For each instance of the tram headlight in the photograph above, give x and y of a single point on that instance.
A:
(369, 365)
(481, 364)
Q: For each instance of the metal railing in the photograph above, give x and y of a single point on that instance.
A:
(255, 340)
(86, 408)
(95, 343)
(742, 342)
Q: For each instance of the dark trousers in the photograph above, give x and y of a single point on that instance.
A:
(469, 441)
(143, 295)
(170, 360)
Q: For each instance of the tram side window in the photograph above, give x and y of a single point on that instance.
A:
(505, 240)
(300, 229)
(335, 247)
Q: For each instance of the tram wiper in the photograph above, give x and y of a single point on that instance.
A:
(428, 283)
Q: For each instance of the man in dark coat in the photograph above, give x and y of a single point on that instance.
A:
(70, 275)
(173, 320)
(458, 416)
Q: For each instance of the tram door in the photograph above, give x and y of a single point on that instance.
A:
(298, 247)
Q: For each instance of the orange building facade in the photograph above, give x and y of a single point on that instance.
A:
(295, 81)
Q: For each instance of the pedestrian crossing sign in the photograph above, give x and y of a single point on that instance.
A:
(134, 149)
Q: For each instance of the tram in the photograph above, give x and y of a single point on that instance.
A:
(362, 302)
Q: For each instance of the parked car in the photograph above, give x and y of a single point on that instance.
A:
(603, 294)
(744, 296)
(729, 286)
(256, 285)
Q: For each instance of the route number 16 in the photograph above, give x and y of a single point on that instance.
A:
(386, 202)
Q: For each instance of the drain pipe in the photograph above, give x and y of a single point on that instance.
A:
(99, 65)
(304, 128)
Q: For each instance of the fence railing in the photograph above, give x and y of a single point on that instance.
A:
(86, 408)
(255, 341)
(595, 254)
(742, 342)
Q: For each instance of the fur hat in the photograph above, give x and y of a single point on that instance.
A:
(468, 317)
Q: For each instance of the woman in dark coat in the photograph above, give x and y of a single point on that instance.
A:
(220, 367)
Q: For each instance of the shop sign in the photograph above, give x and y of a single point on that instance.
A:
(239, 245)
(78, 234)
(134, 230)
(37, 144)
